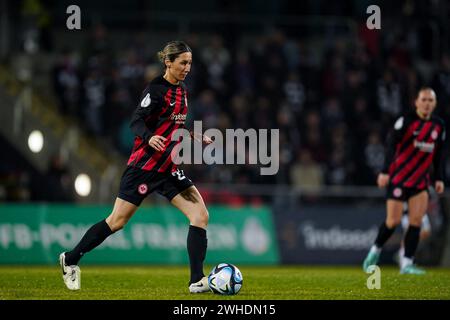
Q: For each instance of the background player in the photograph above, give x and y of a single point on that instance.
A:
(415, 145)
(162, 110)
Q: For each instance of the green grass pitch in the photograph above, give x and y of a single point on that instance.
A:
(261, 283)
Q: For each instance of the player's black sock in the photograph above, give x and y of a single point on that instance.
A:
(91, 239)
(384, 233)
(411, 241)
(196, 246)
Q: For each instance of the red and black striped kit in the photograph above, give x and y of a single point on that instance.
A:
(162, 110)
(414, 148)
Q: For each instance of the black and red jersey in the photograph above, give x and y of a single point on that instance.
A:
(161, 111)
(414, 147)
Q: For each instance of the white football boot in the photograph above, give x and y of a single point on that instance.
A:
(71, 274)
(199, 286)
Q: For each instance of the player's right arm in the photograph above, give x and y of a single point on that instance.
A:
(149, 104)
(393, 139)
(382, 180)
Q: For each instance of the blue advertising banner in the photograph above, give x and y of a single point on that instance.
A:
(329, 234)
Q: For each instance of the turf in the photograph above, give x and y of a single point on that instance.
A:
(170, 283)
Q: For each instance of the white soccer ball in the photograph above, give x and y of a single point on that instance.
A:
(225, 278)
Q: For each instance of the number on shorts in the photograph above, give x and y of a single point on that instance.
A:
(179, 174)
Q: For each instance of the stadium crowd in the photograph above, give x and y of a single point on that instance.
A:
(333, 95)
(333, 109)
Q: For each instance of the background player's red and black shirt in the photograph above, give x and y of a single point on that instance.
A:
(415, 147)
(161, 110)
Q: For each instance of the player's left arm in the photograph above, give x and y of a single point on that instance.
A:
(150, 102)
(439, 161)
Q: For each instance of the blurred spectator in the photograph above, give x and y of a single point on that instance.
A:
(94, 101)
(206, 109)
(66, 83)
(305, 172)
(337, 173)
(59, 181)
(263, 113)
(374, 152)
(294, 92)
(120, 103)
(131, 71)
(240, 111)
(389, 95)
(98, 41)
(217, 59)
(312, 137)
(332, 76)
(360, 118)
(332, 113)
(244, 73)
(286, 123)
(340, 167)
(36, 22)
(441, 81)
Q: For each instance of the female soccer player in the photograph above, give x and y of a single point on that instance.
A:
(162, 110)
(416, 145)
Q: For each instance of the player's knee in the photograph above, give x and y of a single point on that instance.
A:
(414, 221)
(201, 218)
(205, 217)
(424, 235)
(393, 222)
(117, 224)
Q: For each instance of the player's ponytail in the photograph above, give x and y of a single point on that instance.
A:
(161, 56)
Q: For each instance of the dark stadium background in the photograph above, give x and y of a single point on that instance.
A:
(311, 69)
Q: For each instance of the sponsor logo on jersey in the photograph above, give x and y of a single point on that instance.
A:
(424, 146)
(179, 118)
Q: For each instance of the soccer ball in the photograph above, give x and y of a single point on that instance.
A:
(225, 278)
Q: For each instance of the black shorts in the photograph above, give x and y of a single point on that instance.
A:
(402, 193)
(136, 184)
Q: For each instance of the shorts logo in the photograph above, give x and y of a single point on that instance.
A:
(397, 192)
(434, 134)
(142, 189)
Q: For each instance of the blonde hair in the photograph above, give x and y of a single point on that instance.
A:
(172, 50)
(425, 89)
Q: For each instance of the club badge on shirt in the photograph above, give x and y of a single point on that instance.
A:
(397, 192)
(142, 189)
(434, 135)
